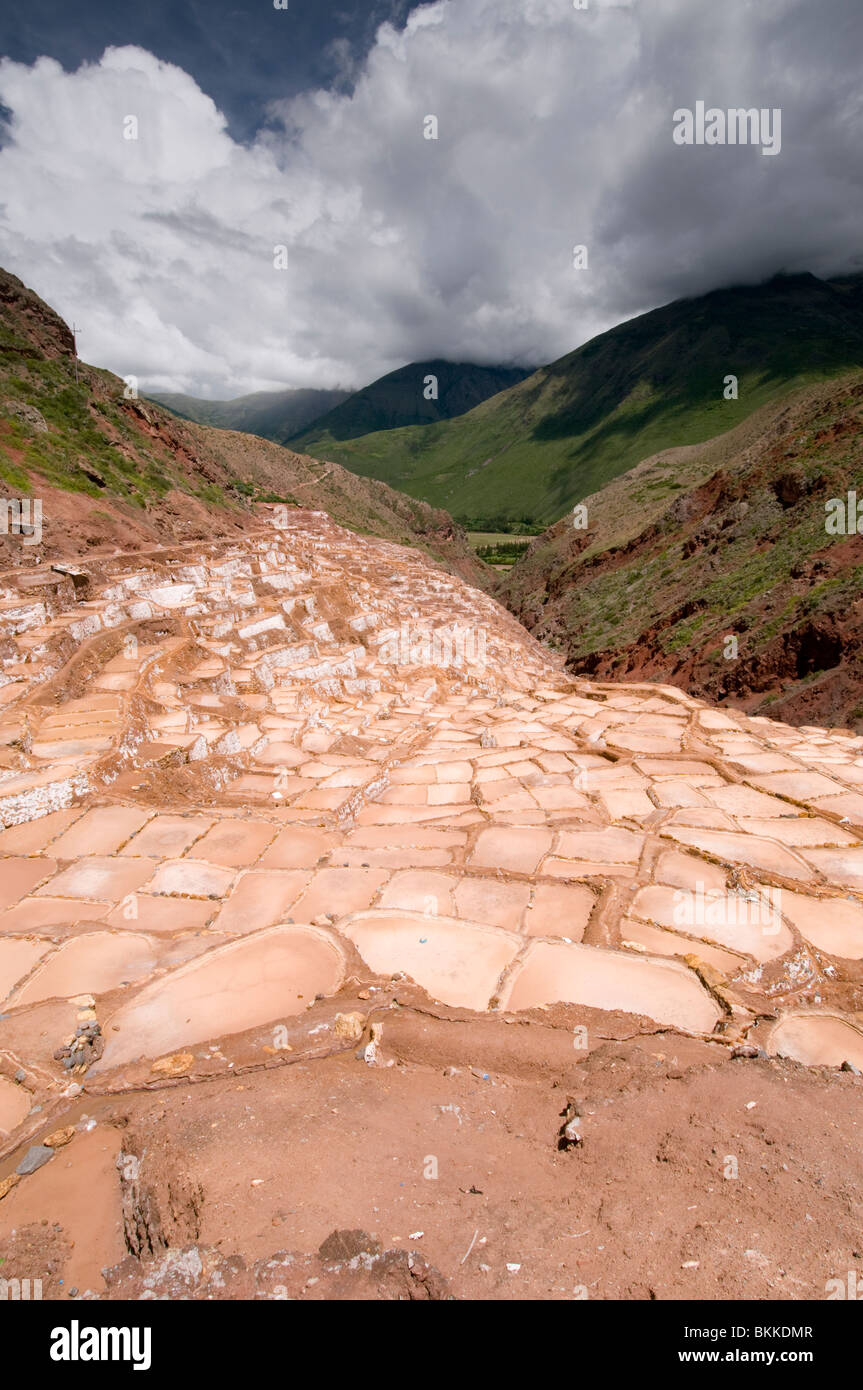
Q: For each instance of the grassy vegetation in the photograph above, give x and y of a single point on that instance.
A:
(504, 552)
(501, 526)
(77, 452)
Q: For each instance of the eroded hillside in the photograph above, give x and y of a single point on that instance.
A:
(712, 566)
(111, 471)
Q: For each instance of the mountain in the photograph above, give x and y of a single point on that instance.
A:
(401, 398)
(653, 382)
(706, 543)
(111, 473)
(271, 414)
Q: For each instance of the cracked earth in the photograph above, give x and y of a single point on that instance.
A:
(334, 967)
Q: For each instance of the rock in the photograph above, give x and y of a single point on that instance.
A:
(80, 580)
(175, 1065)
(35, 1157)
(60, 1137)
(570, 1135)
(27, 414)
(341, 1246)
(369, 1053)
(8, 1183)
(849, 1066)
(350, 1026)
(789, 488)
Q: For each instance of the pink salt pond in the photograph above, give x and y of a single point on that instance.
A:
(90, 964)
(745, 923)
(822, 1039)
(15, 1105)
(456, 962)
(663, 990)
(834, 925)
(17, 959)
(263, 977)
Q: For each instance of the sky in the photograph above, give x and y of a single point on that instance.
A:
(228, 197)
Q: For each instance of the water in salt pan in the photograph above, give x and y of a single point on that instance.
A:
(269, 975)
(825, 1040)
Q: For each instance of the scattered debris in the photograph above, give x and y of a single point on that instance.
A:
(350, 1026)
(60, 1137)
(175, 1065)
(570, 1136)
(470, 1247)
(369, 1053)
(6, 1184)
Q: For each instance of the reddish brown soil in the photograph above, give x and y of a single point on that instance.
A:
(254, 1172)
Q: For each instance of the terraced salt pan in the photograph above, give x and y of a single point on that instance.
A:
(747, 849)
(834, 925)
(191, 879)
(90, 964)
(17, 958)
(817, 1039)
(99, 878)
(271, 975)
(751, 925)
(43, 914)
(445, 823)
(667, 992)
(100, 831)
(640, 936)
(21, 876)
(840, 866)
(15, 1105)
(456, 962)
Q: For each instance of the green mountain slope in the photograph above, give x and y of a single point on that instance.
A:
(653, 382)
(111, 473)
(271, 414)
(399, 399)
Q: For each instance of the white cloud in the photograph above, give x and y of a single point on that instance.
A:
(554, 129)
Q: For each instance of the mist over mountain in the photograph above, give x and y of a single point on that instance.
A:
(662, 379)
(272, 414)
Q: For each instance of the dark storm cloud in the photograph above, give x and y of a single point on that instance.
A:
(555, 129)
(231, 48)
